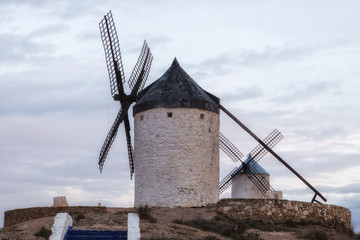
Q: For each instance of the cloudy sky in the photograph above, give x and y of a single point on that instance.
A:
(274, 64)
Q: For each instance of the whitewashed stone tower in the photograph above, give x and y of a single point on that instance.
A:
(243, 187)
(176, 125)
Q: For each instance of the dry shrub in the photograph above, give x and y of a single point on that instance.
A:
(209, 237)
(217, 225)
(79, 217)
(43, 232)
(316, 235)
(155, 238)
(145, 214)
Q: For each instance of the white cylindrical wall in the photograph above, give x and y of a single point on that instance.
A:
(176, 157)
(243, 187)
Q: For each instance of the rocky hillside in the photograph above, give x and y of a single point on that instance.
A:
(178, 223)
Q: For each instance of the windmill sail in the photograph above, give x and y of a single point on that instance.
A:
(229, 148)
(143, 64)
(248, 167)
(109, 140)
(257, 178)
(111, 45)
(129, 146)
(229, 179)
(271, 140)
(117, 78)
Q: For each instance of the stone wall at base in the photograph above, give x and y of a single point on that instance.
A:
(16, 216)
(283, 211)
(268, 210)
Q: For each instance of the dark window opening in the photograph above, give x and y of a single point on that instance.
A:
(202, 116)
(141, 117)
(169, 114)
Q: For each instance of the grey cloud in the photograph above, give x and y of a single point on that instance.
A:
(41, 167)
(350, 188)
(17, 49)
(154, 42)
(86, 175)
(353, 188)
(304, 122)
(290, 52)
(305, 92)
(159, 41)
(37, 186)
(89, 36)
(20, 2)
(67, 10)
(275, 114)
(50, 99)
(320, 165)
(251, 92)
(300, 191)
(273, 55)
(321, 134)
(48, 30)
(269, 55)
(219, 65)
(81, 88)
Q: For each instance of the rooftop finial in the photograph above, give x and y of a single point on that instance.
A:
(175, 62)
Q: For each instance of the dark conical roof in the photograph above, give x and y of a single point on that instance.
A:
(255, 168)
(175, 89)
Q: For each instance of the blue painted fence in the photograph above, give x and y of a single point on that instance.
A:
(92, 235)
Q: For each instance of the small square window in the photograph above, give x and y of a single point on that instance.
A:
(202, 116)
(169, 114)
(141, 117)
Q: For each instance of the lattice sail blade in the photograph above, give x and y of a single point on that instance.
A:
(227, 147)
(229, 179)
(271, 140)
(111, 45)
(258, 179)
(256, 154)
(129, 146)
(110, 139)
(141, 69)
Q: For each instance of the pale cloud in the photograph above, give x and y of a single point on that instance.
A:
(17, 49)
(251, 92)
(304, 93)
(51, 29)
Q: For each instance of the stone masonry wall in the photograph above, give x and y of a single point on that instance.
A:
(268, 210)
(282, 211)
(16, 216)
(176, 157)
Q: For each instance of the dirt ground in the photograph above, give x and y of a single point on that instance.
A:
(167, 223)
(26, 230)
